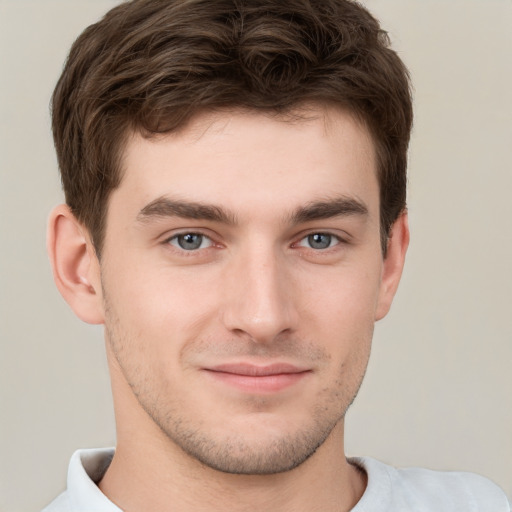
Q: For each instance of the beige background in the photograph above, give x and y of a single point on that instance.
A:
(439, 388)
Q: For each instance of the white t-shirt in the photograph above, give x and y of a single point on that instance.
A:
(388, 490)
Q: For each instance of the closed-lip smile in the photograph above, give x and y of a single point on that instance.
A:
(253, 378)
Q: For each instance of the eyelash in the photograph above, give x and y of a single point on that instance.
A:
(175, 237)
(332, 238)
(211, 243)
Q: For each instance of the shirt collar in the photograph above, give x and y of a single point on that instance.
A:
(86, 468)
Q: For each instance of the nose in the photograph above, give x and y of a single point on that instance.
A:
(260, 302)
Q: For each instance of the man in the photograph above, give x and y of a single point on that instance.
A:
(235, 184)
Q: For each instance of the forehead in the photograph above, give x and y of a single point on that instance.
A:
(248, 157)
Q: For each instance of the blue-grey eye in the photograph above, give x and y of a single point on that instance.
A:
(190, 241)
(319, 241)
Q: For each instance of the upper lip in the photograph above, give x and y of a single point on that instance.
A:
(253, 370)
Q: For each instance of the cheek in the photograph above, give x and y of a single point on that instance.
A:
(144, 287)
(340, 315)
(161, 309)
(347, 296)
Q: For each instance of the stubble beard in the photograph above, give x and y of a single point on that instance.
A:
(275, 453)
(232, 453)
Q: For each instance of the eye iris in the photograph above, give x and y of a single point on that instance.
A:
(190, 241)
(319, 241)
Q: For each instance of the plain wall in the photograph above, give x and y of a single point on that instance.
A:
(438, 392)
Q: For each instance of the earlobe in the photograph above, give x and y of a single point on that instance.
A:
(75, 265)
(393, 264)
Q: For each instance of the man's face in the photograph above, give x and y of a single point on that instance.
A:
(241, 279)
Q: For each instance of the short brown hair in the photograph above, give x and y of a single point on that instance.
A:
(149, 65)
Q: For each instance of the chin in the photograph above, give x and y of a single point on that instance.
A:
(264, 449)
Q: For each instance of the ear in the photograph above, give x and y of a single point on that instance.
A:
(75, 266)
(393, 264)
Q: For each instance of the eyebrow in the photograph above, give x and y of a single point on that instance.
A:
(329, 208)
(316, 210)
(165, 207)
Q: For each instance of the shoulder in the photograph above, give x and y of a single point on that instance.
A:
(452, 490)
(59, 504)
(426, 490)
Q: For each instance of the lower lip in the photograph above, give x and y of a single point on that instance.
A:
(259, 384)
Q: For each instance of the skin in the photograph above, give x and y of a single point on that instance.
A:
(283, 274)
